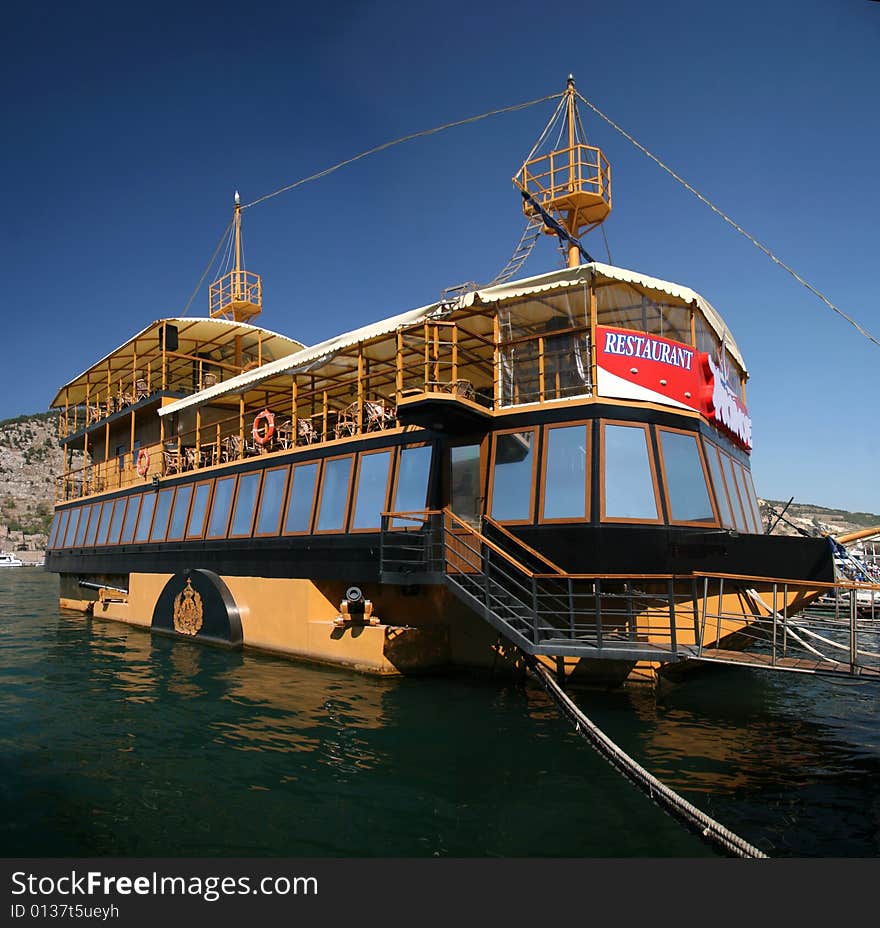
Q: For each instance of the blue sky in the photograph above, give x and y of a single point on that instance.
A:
(127, 129)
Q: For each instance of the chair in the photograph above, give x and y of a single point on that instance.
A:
(377, 417)
(209, 380)
(171, 461)
(193, 458)
(306, 433)
(284, 434)
(141, 391)
(347, 422)
(230, 448)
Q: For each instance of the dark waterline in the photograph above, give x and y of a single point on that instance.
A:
(117, 743)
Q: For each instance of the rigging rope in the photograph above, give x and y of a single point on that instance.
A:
(405, 138)
(208, 268)
(657, 791)
(731, 222)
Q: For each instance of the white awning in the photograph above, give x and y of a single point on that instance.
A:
(567, 277)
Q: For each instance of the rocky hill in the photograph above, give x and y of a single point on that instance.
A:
(31, 459)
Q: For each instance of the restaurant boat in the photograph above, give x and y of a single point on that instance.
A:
(557, 465)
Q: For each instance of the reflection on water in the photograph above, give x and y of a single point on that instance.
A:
(116, 742)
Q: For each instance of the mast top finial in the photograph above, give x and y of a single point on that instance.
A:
(237, 199)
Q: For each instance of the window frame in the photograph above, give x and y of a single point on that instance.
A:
(72, 524)
(313, 511)
(80, 539)
(740, 475)
(136, 499)
(713, 449)
(59, 534)
(742, 508)
(177, 489)
(649, 445)
(533, 491)
(395, 481)
(123, 500)
(389, 482)
(145, 541)
(234, 504)
(100, 537)
(210, 511)
(716, 519)
(282, 508)
(322, 484)
(186, 532)
(153, 526)
(91, 538)
(545, 445)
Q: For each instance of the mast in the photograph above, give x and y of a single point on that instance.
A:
(572, 184)
(238, 294)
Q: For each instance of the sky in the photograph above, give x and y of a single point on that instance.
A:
(127, 129)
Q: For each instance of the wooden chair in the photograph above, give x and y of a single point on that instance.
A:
(306, 433)
(377, 416)
(171, 461)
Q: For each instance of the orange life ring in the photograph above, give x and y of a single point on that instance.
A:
(264, 437)
(143, 462)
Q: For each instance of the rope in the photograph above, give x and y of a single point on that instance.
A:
(657, 791)
(731, 222)
(208, 268)
(405, 138)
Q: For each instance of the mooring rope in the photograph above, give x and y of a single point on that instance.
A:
(860, 329)
(710, 830)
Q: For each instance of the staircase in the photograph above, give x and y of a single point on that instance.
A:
(534, 603)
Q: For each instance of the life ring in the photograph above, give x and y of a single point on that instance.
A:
(263, 438)
(143, 462)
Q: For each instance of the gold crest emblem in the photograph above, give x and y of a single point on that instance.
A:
(188, 611)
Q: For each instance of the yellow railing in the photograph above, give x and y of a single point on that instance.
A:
(581, 169)
(236, 287)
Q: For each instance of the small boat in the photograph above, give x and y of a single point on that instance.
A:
(10, 560)
(557, 465)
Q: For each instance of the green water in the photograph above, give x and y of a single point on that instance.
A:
(113, 742)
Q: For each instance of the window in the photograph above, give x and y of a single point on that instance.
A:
(148, 504)
(58, 525)
(94, 520)
(177, 526)
(131, 514)
(333, 505)
(71, 527)
(629, 487)
(245, 502)
(104, 528)
(720, 489)
(738, 511)
(163, 510)
(116, 524)
(302, 496)
(372, 490)
(753, 498)
(565, 473)
(269, 515)
(751, 520)
(196, 526)
(512, 476)
(413, 472)
(220, 507)
(82, 527)
(687, 493)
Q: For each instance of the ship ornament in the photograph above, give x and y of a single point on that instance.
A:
(188, 611)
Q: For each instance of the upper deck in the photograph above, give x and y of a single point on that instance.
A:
(184, 393)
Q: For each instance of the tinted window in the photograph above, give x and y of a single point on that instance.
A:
(83, 526)
(72, 526)
(686, 490)
(130, 519)
(199, 509)
(565, 477)
(104, 528)
(411, 493)
(148, 504)
(220, 507)
(629, 486)
(371, 490)
(720, 491)
(58, 531)
(245, 501)
(302, 495)
(94, 521)
(270, 501)
(738, 512)
(116, 524)
(178, 513)
(163, 510)
(751, 521)
(56, 521)
(754, 499)
(334, 495)
(512, 477)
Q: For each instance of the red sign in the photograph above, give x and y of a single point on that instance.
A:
(650, 368)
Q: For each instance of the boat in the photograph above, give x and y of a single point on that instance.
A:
(7, 559)
(555, 465)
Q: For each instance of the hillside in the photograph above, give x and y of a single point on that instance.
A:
(31, 459)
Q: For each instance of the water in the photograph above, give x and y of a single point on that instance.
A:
(117, 743)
